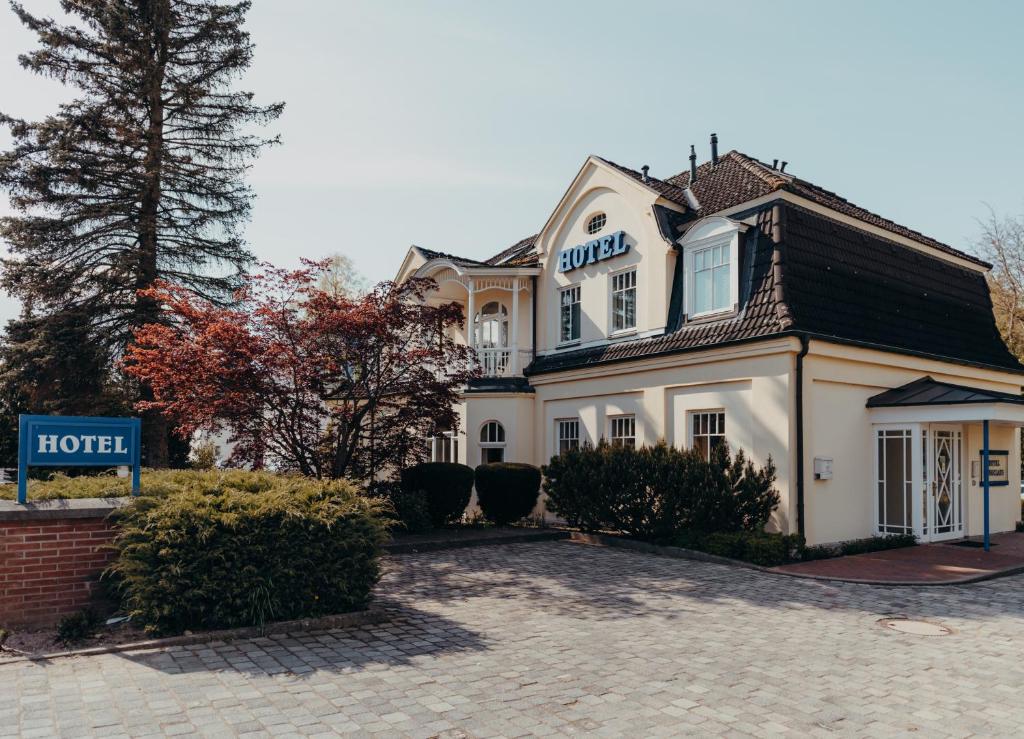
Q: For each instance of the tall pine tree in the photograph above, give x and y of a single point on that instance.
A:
(138, 179)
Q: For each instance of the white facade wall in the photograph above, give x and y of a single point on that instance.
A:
(753, 384)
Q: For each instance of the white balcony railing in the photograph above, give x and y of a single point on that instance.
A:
(500, 362)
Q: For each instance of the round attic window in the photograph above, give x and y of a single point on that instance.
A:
(596, 223)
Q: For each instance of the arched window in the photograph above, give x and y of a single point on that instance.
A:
(492, 442)
(492, 326)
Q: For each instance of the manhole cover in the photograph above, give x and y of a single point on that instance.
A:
(915, 627)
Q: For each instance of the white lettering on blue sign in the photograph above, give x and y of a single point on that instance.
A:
(574, 257)
(86, 443)
(77, 441)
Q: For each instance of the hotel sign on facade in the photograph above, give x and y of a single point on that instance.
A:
(596, 250)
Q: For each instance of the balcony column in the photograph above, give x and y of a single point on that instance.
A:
(513, 366)
(470, 315)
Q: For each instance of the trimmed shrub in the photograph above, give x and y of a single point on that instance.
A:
(654, 492)
(447, 487)
(756, 547)
(408, 509)
(615, 488)
(244, 549)
(859, 546)
(733, 495)
(507, 491)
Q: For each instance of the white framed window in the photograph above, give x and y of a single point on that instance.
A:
(491, 325)
(711, 266)
(569, 314)
(622, 430)
(711, 290)
(444, 447)
(596, 223)
(567, 434)
(492, 442)
(707, 431)
(623, 300)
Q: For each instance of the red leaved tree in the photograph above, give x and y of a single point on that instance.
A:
(305, 379)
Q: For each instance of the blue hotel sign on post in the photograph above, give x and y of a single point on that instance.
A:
(593, 251)
(77, 441)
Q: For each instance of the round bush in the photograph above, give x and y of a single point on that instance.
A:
(243, 549)
(408, 509)
(507, 491)
(447, 487)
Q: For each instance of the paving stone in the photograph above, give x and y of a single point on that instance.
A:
(560, 639)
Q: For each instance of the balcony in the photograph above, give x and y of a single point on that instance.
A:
(502, 361)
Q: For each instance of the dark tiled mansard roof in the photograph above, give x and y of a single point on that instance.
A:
(834, 282)
(831, 280)
(735, 179)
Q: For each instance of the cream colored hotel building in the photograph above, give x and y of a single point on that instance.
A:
(735, 301)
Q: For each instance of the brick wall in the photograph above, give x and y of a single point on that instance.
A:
(50, 562)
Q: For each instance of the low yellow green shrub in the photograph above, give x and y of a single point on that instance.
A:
(154, 483)
(228, 549)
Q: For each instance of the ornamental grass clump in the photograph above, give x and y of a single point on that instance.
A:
(244, 549)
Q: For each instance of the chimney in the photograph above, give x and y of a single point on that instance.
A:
(775, 163)
(714, 149)
(644, 170)
(783, 168)
(693, 165)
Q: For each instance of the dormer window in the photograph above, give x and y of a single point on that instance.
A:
(711, 292)
(596, 223)
(711, 265)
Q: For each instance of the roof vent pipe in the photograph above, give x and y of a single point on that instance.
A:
(714, 149)
(644, 170)
(783, 168)
(693, 164)
(775, 163)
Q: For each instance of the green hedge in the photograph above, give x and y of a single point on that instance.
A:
(240, 549)
(756, 547)
(655, 492)
(408, 509)
(447, 487)
(859, 546)
(507, 491)
(156, 483)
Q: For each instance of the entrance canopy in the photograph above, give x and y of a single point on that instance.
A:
(921, 456)
(927, 400)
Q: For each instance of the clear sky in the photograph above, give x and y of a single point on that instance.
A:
(458, 125)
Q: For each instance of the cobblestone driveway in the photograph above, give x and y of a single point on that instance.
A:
(561, 638)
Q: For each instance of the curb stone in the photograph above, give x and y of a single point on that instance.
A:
(325, 623)
(680, 553)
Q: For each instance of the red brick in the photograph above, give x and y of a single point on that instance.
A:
(24, 547)
(41, 537)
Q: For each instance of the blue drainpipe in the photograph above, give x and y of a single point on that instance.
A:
(984, 474)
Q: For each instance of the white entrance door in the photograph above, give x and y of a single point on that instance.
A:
(943, 516)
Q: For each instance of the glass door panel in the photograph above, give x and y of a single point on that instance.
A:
(944, 484)
(895, 481)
